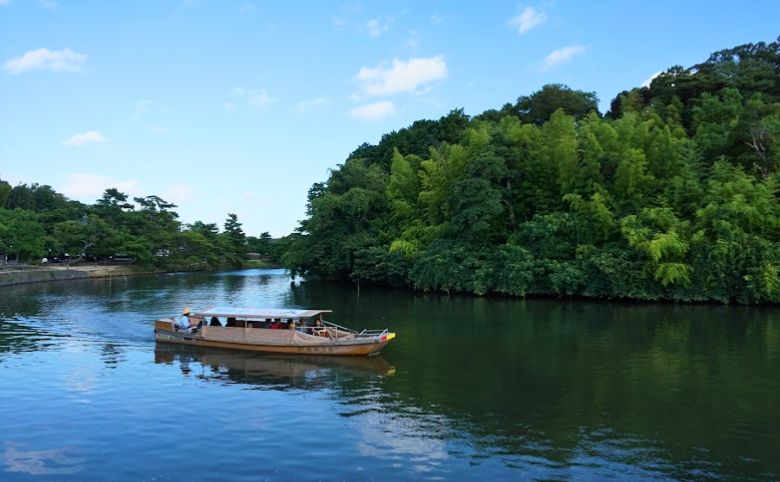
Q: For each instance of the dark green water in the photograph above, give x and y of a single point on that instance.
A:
(472, 388)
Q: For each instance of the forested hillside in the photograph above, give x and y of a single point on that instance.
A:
(673, 194)
(36, 221)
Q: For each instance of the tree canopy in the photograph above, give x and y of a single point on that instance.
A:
(37, 221)
(672, 195)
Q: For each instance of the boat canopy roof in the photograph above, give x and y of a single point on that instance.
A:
(255, 313)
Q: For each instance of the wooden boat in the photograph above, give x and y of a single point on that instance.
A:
(271, 331)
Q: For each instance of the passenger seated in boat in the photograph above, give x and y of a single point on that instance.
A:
(231, 323)
(276, 325)
(215, 321)
(183, 322)
(319, 329)
(196, 322)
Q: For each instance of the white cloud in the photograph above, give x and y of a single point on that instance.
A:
(179, 193)
(528, 19)
(157, 129)
(142, 107)
(374, 28)
(89, 137)
(247, 7)
(150, 114)
(50, 5)
(64, 60)
(338, 22)
(375, 111)
(401, 76)
(255, 98)
(647, 82)
(414, 41)
(438, 19)
(307, 105)
(561, 56)
(81, 186)
(249, 195)
(3, 3)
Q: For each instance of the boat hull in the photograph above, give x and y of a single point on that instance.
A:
(165, 333)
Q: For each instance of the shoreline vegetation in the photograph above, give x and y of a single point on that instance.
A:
(673, 194)
(39, 226)
(670, 195)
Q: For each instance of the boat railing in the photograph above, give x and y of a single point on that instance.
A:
(361, 334)
(338, 327)
(372, 333)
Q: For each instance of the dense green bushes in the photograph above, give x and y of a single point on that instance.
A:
(672, 195)
(36, 221)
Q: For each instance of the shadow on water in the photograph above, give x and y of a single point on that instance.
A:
(263, 370)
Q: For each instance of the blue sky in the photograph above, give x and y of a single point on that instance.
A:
(239, 106)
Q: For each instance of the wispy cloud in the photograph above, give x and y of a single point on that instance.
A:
(179, 193)
(50, 5)
(375, 111)
(561, 56)
(3, 3)
(254, 98)
(528, 19)
(414, 41)
(647, 82)
(338, 21)
(247, 7)
(82, 186)
(150, 114)
(89, 137)
(145, 108)
(439, 19)
(399, 76)
(64, 60)
(155, 129)
(374, 27)
(307, 105)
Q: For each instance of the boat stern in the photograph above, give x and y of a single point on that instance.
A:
(165, 324)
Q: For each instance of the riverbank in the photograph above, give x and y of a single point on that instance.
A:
(39, 274)
(14, 276)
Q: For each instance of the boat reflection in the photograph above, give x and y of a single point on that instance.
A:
(280, 371)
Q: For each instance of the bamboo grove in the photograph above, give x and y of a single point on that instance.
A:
(672, 194)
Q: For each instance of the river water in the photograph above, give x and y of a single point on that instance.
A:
(472, 388)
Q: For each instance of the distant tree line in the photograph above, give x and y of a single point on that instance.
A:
(673, 194)
(37, 222)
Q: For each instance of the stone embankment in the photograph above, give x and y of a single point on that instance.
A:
(13, 275)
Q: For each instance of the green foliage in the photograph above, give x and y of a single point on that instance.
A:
(21, 234)
(44, 222)
(234, 241)
(672, 196)
(5, 190)
(540, 106)
(20, 197)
